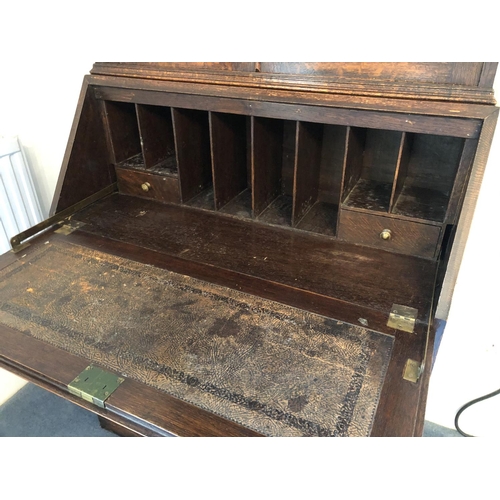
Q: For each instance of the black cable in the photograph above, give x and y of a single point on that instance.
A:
(470, 403)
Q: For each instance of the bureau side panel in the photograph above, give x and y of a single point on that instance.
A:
(86, 167)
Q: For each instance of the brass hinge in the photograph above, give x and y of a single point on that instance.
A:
(18, 241)
(412, 371)
(402, 318)
(95, 385)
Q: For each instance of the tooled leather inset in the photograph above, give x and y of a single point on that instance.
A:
(278, 370)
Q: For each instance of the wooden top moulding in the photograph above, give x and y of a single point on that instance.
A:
(466, 82)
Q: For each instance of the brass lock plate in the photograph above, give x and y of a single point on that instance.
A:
(402, 318)
(95, 385)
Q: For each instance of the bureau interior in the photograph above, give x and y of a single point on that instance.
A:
(282, 172)
(207, 183)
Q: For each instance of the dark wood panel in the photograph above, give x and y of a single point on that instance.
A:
(399, 399)
(204, 200)
(354, 160)
(308, 161)
(123, 130)
(192, 140)
(382, 101)
(421, 203)
(424, 382)
(381, 155)
(161, 187)
(298, 259)
(461, 180)
(289, 152)
(87, 145)
(228, 138)
(372, 183)
(279, 212)
(285, 294)
(318, 113)
(401, 168)
(141, 69)
(353, 79)
(157, 134)
(406, 237)
(267, 161)
(434, 161)
(181, 419)
(369, 195)
(333, 155)
(426, 188)
(321, 218)
(240, 206)
(431, 72)
(452, 256)
(117, 429)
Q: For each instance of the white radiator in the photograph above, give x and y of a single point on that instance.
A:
(19, 207)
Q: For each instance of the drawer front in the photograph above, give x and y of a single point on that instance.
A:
(153, 186)
(390, 234)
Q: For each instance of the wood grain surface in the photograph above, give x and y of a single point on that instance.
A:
(87, 145)
(316, 111)
(192, 145)
(267, 162)
(229, 156)
(157, 134)
(467, 82)
(162, 188)
(406, 236)
(303, 260)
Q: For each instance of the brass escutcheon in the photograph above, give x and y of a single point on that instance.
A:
(145, 186)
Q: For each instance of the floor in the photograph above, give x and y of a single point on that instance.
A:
(35, 412)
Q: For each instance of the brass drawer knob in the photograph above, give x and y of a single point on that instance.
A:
(386, 235)
(145, 186)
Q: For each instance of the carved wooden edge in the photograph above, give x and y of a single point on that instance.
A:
(297, 96)
(115, 428)
(181, 96)
(311, 83)
(466, 216)
(424, 383)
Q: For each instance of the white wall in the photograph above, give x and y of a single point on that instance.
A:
(468, 362)
(38, 102)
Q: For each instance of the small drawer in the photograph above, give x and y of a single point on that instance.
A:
(390, 234)
(158, 187)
